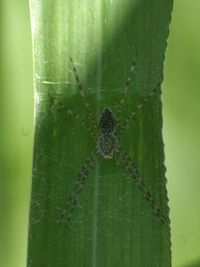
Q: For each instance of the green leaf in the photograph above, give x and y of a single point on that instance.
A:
(112, 223)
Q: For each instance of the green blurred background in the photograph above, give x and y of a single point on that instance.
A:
(181, 131)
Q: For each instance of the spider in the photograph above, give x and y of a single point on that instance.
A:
(107, 133)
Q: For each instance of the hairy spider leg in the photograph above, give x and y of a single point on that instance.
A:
(122, 101)
(80, 119)
(122, 128)
(134, 173)
(82, 93)
(77, 188)
(74, 115)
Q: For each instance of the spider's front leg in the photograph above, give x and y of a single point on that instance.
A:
(134, 173)
(82, 94)
(122, 128)
(122, 100)
(77, 188)
(58, 101)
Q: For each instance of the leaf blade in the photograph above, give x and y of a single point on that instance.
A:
(112, 224)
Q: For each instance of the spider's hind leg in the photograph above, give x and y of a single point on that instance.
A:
(77, 188)
(134, 173)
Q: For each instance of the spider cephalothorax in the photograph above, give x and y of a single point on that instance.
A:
(108, 142)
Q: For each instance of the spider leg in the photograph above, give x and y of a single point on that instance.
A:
(122, 128)
(80, 119)
(82, 93)
(77, 188)
(74, 115)
(134, 173)
(122, 101)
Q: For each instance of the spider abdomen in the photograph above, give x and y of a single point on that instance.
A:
(107, 145)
